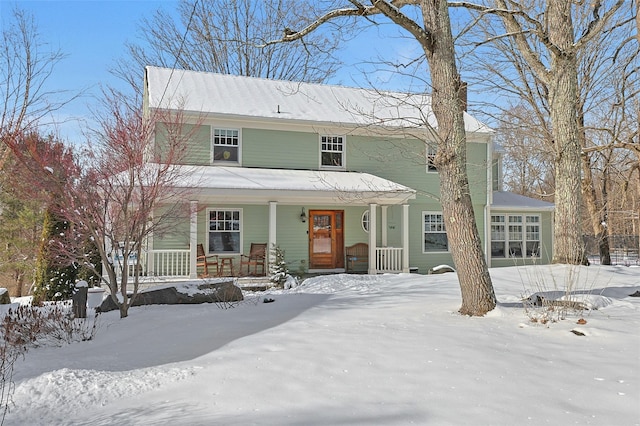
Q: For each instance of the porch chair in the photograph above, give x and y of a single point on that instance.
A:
(204, 261)
(256, 257)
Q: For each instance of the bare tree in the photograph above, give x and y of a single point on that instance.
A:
(116, 193)
(429, 24)
(544, 41)
(527, 161)
(225, 36)
(25, 65)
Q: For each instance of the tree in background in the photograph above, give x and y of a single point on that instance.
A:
(37, 162)
(542, 54)
(25, 64)
(20, 232)
(123, 188)
(428, 22)
(527, 160)
(226, 36)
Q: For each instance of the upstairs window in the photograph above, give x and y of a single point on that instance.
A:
(431, 158)
(226, 146)
(332, 151)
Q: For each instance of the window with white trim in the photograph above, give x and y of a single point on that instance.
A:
(226, 146)
(431, 159)
(365, 221)
(434, 233)
(332, 151)
(515, 236)
(225, 228)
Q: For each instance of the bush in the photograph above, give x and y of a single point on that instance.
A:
(26, 327)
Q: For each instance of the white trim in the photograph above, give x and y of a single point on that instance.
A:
(343, 152)
(208, 230)
(405, 238)
(193, 239)
(431, 147)
(212, 146)
(423, 232)
(272, 235)
(385, 225)
(373, 226)
(523, 223)
(363, 221)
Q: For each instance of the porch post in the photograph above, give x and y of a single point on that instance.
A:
(272, 235)
(405, 238)
(150, 258)
(193, 239)
(385, 225)
(373, 227)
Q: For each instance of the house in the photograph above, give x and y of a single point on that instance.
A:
(315, 169)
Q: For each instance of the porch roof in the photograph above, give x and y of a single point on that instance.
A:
(258, 185)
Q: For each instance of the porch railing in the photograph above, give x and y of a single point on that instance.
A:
(158, 263)
(175, 263)
(170, 263)
(389, 259)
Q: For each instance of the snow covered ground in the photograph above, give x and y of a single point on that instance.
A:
(356, 350)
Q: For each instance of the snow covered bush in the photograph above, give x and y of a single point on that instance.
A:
(278, 266)
(24, 327)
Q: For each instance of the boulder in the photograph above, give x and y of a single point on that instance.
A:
(189, 293)
(4, 297)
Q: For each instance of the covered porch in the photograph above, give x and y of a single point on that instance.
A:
(279, 192)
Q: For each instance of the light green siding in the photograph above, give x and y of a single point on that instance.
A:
(278, 149)
(199, 146)
(399, 160)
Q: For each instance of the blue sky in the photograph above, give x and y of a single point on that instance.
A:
(92, 35)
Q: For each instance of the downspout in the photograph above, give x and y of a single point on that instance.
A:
(487, 207)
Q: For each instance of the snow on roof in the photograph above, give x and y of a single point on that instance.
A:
(511, 201)
(260, 98)
(289, 185)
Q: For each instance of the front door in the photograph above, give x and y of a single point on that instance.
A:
(326, 243)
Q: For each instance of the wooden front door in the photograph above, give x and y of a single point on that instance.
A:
(326, 243)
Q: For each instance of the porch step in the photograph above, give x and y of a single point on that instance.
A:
(254, 283)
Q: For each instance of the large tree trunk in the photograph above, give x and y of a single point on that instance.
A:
(563, 102)
(464, 240)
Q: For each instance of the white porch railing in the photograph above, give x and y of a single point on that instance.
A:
(170, 263)
(164, 264)
(175, 263)
(389, 259)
